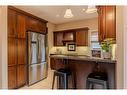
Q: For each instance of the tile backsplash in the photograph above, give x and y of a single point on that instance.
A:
(63, 50)
(80, 50)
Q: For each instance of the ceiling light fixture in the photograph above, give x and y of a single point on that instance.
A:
(68, 13)
(91, 9)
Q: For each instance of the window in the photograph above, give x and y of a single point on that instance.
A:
(94, 41)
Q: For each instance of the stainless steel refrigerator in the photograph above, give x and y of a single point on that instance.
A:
(37, 65)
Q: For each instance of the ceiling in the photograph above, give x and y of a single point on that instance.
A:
(55, 14)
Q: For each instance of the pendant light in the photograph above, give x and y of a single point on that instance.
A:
(68, 13)
(91, 9)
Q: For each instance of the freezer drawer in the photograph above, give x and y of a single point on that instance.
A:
(37, 72)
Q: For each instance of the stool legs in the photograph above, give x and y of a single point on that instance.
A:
(53, 81)
(90, 85)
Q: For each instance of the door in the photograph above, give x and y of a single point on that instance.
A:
(12, 77)
(21, 75)
(11, 23)
(58, 39)
(110, 22)
(12, 54)
(21, 26)
(82, 37)
(21, 51)
(12, 62)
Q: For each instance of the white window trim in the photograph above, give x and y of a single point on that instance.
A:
(89, 38)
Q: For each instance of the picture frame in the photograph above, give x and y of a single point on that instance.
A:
(71, 47)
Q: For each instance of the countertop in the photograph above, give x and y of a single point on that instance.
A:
(81, 57)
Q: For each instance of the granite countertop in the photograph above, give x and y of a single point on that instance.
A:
(81, 57)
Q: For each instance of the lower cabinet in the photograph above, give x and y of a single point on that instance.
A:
(12, 77)
(16, 76)
(21, 75)
(16, 62)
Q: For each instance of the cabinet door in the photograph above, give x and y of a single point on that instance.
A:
(36, 25)
(82, 38)
(69, 36)
(12, 77)
(101, 23)
(106, 22)
(11, 23)
(21, 75)
(21, 26)
(58, 38)
(12, 51)
(110, 22)
(21, 51)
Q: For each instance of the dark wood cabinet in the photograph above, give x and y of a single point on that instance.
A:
(12, 54)
(36, 25)
(69, 36)
(21, 75)
(110, 22)
(106, 22)
(21, 26)
(58, 39)
(12, 77)
(77, 36)
(11, 23)
(21, 51)
(16, 46)
(82, 37)
(19, 22)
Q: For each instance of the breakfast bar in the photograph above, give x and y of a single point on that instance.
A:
(82, 66)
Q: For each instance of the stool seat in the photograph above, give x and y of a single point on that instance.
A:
(98, 75)
(62, 75)
(100, 78)
(67, 71)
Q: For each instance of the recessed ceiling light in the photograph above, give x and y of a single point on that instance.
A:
(57, 15)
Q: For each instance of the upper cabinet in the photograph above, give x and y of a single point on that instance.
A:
(106, 22)
(82, 37)
(69, 36)
(16, 24)
(58, 38)
(36, 25)
(77, 36)
(11, 23)
(21, 25)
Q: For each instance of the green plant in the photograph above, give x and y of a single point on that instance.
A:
(106, 44)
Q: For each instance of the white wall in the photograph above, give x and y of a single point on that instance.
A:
(125, 47)
(120, 47)
(3, 47)
(0, 51)
(92, 23)
(51, 28)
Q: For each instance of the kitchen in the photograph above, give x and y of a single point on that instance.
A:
(72, 48)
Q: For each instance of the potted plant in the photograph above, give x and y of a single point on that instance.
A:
(106, 48)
